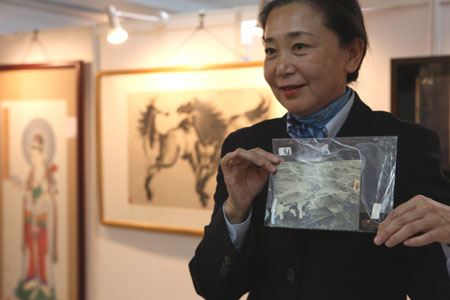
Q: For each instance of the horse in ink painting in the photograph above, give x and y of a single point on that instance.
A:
(196, 138)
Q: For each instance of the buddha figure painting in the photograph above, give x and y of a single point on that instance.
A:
(39, 189)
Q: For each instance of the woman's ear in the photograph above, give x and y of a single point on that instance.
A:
(355, 51)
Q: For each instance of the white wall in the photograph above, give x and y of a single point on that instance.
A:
(134, 264)
(392, 34)
(52, 45)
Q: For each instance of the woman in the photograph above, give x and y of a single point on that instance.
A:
(313, 50)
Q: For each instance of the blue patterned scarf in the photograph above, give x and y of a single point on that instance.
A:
(313, 125)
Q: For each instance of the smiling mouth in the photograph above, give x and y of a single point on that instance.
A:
(291, 90)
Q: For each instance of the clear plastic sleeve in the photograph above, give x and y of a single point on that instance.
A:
(344, 183)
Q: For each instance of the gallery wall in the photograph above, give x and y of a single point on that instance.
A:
(138, 264)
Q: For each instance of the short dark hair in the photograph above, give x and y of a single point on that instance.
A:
(344, 17)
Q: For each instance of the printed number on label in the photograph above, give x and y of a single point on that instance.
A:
(285, 151)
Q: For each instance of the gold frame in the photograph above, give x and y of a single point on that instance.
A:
(100, 149)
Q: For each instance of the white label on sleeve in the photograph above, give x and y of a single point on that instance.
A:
(376, 211)
(285, 151)
(273, 211)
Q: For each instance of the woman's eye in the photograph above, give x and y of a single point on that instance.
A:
(269, 51)
(299, 46)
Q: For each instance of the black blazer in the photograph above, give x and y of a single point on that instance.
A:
(277, 263)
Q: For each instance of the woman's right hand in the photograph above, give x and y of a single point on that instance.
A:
(245, 173)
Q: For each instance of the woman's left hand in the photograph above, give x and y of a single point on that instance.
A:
(418, 215)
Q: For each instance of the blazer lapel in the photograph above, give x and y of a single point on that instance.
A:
(359, 120)
(276, 130)
(280, 128)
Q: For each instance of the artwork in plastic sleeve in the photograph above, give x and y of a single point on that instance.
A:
(317, 195)
(342, 183)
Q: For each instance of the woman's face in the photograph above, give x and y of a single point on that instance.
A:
(305, 66)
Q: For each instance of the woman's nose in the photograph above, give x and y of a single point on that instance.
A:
(284, 68)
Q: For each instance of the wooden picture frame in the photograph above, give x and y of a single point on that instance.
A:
(157, 155)
(41, 190)
(420, 92)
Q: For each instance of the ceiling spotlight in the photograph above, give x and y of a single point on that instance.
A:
(116, 34)
(164, 15)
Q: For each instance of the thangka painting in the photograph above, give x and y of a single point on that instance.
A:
(175, 139)
(40, 186)
(34, 193)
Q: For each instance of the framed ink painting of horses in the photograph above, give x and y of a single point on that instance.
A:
(160, 134)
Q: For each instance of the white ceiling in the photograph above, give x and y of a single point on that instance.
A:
(28, 15)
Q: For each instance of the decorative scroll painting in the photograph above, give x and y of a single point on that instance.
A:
(39, 254)
(35, 186)
(161, 135)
